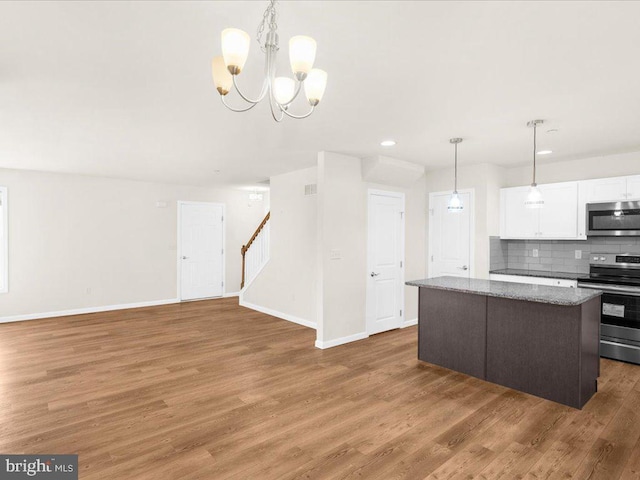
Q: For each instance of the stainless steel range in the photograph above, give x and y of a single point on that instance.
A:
(618, 276)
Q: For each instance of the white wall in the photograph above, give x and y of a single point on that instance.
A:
(342, 225)
(583, 169)
(288, 283)
(78, 241)
(301, 283)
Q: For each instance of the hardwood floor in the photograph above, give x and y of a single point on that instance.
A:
(210, 390)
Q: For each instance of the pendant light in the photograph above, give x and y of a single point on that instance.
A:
(534, 197)
(455, 204)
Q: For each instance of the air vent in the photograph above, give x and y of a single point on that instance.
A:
(311, 189)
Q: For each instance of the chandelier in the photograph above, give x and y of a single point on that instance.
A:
(280, 91)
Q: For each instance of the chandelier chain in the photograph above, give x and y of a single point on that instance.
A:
(270, 16)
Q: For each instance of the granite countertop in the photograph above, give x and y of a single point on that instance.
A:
(540, 273)
(515, 291)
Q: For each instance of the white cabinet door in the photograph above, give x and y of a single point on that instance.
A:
(633, 187)
(557, 219)
(559, 216)
(516, 220)
(605, 189)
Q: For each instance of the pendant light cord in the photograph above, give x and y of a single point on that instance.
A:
(455, 168)
(534, 153)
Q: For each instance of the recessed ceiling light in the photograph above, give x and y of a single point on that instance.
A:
(388, 143)
(544, 152)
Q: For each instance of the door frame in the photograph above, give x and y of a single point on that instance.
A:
(472, 229)
(401, 196)
(180, 203)
(4, 246)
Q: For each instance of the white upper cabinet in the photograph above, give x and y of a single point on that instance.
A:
(559, 216)
(517, 221)
(558, 219)
(564, 215)
(602, 190)
(633, 187)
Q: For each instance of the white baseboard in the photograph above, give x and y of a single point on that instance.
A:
(82, 311)
(409, 323)
(341, 341)
(231, 294)
(275, 313)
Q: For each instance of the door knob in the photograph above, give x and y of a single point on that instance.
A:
(464, 267)
(184, 258)
(374, 274)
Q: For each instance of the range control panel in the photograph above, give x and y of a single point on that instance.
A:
(627, 258)
(614, 259)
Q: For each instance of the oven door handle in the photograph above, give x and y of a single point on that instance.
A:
(634, 291)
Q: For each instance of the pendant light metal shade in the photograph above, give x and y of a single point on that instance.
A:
(455, 203)
(534, 197)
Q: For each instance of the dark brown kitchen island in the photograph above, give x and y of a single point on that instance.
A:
(537, 339)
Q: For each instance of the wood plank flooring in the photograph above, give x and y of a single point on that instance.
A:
(210, 390)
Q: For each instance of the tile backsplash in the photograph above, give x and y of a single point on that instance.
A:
(555, 255)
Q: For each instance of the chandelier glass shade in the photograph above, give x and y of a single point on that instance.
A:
(280, 91)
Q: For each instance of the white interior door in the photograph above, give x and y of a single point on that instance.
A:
(201, 250)
(450, 236)
(385, 261)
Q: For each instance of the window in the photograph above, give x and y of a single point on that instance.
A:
(4, 242)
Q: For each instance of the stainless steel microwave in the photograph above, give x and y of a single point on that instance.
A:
(614, 219)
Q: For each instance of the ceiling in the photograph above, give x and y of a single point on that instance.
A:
(123, 89)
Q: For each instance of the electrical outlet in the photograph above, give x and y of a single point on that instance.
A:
(335, 254)
(535, 253)
(578, 254)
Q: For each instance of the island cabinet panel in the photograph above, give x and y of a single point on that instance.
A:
(452, 330)
(590, 342)
(533, 338)
(535, 348)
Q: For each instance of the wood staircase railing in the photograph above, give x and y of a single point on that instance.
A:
(246, 247)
